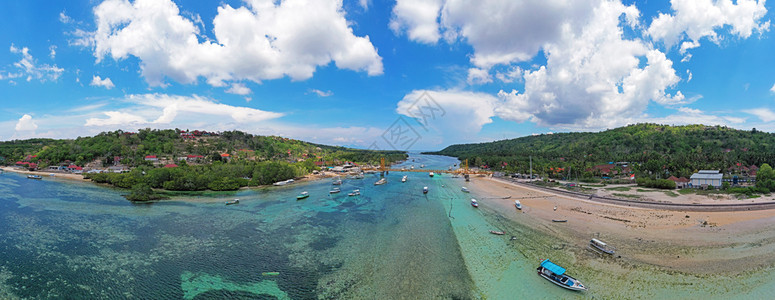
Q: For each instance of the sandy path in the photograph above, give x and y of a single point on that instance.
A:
(690, 241)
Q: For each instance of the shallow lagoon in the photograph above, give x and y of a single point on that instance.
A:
(61, 238)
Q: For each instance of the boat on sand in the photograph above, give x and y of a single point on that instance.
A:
(556, 274)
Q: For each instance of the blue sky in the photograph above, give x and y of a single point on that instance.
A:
(419, 74)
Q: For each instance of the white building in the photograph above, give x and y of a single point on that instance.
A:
(707, 178)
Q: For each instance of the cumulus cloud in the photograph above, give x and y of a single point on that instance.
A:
(772, 89)
(418, 18)
(478, 76)
(64, 18)
(593, 76)
(30, 68)
(697, 19)
(26, 124)
(239, 89)
(321, 93)
(460, 113)
(97, 81)
(259, 41)
(165, 109)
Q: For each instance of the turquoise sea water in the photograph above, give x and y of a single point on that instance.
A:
(64, 239)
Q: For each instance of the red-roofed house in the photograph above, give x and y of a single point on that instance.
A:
(608, 170)
(192, 157)
(680, 182)
(151, 158)
(75, 169)
(170, 166)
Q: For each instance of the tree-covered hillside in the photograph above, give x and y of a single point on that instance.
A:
(660, 149)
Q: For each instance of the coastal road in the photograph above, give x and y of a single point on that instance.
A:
(651, 205)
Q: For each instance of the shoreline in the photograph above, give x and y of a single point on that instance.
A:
(70, 176)
(701, 242)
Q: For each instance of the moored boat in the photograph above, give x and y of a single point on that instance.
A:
(425, 190)
(34, 177)
(337, 182)
(497, 232)
(474, 203)
(465, 190)
(354, 193)
(556, 274)
(303, 195)
(559, 220)
(235, 201)
(334, 190)
(600, 245)
(381, 181)
(430, 174)
(403, 179)
(518, 204)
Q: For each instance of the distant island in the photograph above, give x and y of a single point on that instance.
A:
(182, 160)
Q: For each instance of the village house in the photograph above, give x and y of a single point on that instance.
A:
(610, 169)
(706, 178)
(680, 182)
(151, 158)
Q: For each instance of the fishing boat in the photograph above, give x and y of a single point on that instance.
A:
(425, 190)
(334, 190)
(359, 176)
(34, 177)
(403, 179)
(497, 232)
(600, 245)
(518, 204)
(474, 203)
(430, 174)
(337, 182)
(303, 195)
(235, 201)
(381, 181)
(354, 193)
(559, 220)
(465, 190)
(556, 275)
(507, 197)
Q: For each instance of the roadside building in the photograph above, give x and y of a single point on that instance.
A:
(706, 178)
(680, 182)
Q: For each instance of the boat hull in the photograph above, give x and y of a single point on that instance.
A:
(598, 248)
(577, 286)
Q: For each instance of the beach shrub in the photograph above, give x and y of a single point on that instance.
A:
(656, 183)
(142, 192)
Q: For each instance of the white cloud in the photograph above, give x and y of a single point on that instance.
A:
(364, 4)
(166, 109)
(321, 93)
(478, 76)
(513, 73)
(26, 124)
(260, 41)
(29, 67)
(772, 89)
(64, 18)
(419, 18)
(451, 112)
(106, 83)
(52, 51)
(697, 19)
(764, 114)
(593, 76)
(239, 89)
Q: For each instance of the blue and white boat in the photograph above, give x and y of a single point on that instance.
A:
(465, 190)
(556, 274)
(518, 204)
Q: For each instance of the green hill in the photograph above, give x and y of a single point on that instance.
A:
(659, 149)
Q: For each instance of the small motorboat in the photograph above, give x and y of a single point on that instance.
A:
(600, 245)
(518, 204)
(403, 179)
(334, 190)
(556, 275)
(354, 193)
(465, 190)
(235, 201)
(425, 190)
(430, 174)
(422, 166)
(497, 232)
(337, 182)
(303, 195)
(474, 203)
(381, 181)
(34, 177)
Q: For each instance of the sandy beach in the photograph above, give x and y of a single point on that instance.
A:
(71, 176)
(697, 242)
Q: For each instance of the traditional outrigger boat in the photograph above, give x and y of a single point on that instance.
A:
(381, 181)
(34, 177)
(556, 274)
(235, 201)
(303, 195)
(354, 193)
(465, 190)
(334, 190)
(601, 246)
(497, 232)
(518, 204)
(474, 203)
